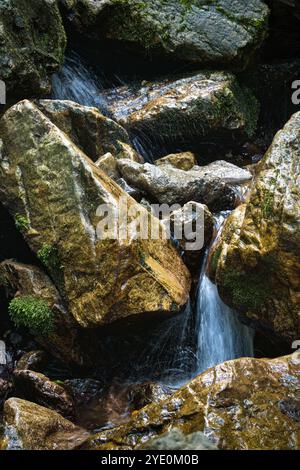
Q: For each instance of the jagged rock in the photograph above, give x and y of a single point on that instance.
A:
(211, 184)
(108, 164)
(257, 259)
(229, 404)
(143, 394)
(195, 224)
(176, 440)
(84, 391)
(174, 112)
(92, 132)
(28, 426)
(39, 389)
(33, 42)
(183, 161)
(65, 340)
(218, 32)
(54, 189)
(32, 360)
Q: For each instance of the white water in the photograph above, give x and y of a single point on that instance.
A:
(76, 82)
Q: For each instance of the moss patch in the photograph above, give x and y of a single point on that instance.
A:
(48, 255)
(22, 223)
(32, 313)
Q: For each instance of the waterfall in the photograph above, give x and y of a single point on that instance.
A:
(220, 334)
(75, 81)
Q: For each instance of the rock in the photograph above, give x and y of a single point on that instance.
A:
(33, 42)
(257, 259)
(176, 440)
(55, 191)
(211, 184)
(173, 112)
(228, 403)
(84, 391)
(32, 427)
(6, 387)
(108, 164)
(41, 390)
(195, 224)
(92, 132)
(215, 33)
(32, 360)
(143, 394)
(183, 161)
(64, 339)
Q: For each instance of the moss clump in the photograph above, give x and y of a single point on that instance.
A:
(48, 255)
(215, 259)
(32, 313)
(248, 291)
(22, 223)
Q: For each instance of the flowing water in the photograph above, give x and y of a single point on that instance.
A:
(204, 334)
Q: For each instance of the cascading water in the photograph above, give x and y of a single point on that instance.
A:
(76, 82)
(220, 334)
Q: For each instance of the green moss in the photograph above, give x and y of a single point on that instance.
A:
(215, 259)
(267, 205)
(248, 291)
(22, 223)
(48, 255)
(32, 313)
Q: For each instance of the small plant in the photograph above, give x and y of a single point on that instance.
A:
(48, 255)
(22, 224)
(32, 313)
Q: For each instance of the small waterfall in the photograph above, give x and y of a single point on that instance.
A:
(76, 82)
(220, 334)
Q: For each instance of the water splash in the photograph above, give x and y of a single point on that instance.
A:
(75, 81)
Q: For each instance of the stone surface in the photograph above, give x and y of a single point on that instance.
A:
(176, 440)
(183, 161)
(40, 389)
(57, 191)
(143, 394)
(242, 404)
(32, 427)
(257, 259)
(32, 360)
(176, 111)
(218, 32)
(92, 132)
(33, 42)
(108, 164)
(211, 184)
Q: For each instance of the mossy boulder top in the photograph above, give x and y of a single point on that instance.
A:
(249, 404)
(33, 42)
(218, 32)
(257, 258)
(56, 188)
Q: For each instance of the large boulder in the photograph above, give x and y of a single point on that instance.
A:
(54, 192)
(92, 132)
(218, 32)
(28, 426)
(176, 111)
(242, 404)
(212, 184)
(257, 258)
(33, 42)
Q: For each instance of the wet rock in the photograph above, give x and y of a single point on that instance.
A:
(183, 161)
(92, 132)
(172, 112)
(33, 42)
(6, 387)
(64, 339)
(257, 263)
(108, 164)
(218, 32)
(143, 394)
(176, 440)
(32, 427)
(228, 403)
(195, 225)
(56, 190)
(84, 391)
(32, 360)
(39, 389)
(211, 184)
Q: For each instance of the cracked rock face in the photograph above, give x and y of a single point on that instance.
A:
(257, 259)
(33, 42)
(218, 32)
(57, 190)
